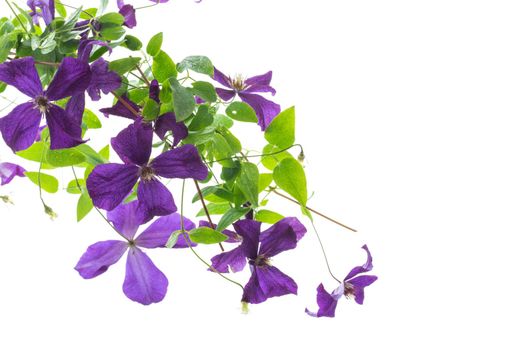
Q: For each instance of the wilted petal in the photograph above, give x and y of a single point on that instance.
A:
(221, 78)
(127, 218)
(109, 184)
(249, 231)
(20, 127)
(156, 198)
(282, 236)
(364, 268)
(133, 144)
(122, 108)
(264, 109)
(167, 122)
(267, 282)
(234, 260)
(22, 74)
(8, 171)
(99, 257)
(182, 162)
(102, 79)
(144, 282)
(72, 77)
(224, 94)
(159, 232)
(327, 303)
(263, 79)
(65, 131)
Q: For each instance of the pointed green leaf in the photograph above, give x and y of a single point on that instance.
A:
(206, 235)
(248, 182)
(47, 182)
(64, 157)
(84, 206)
(242, 112)
(183, 100)
(281, 131)
(154, 45)
(199, 64)
(215, 209)
(204, 90)
(230, 217)
(268, 216)
(289, 175)
(124, 65)
(163, 67)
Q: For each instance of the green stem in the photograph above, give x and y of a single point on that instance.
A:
(205, 208)
(18, 18)
(259, 155)
(324, 252)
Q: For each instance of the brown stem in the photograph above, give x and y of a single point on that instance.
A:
(127, 105)
(143, 75)
(314, 211)
(205, 208)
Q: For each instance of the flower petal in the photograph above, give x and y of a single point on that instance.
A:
(109, 184)
(167, 122)
(234, 260)
(128, 12)
(265, 109)
(154, 90)
(133, 144)
(182, 162)
(8, 171)
(282, 236)
(65, 131)
(267, 282)
(159, 232)
(86, 46)
(327, 303)
(359, 283)
(224, 94)
(263, 79)
(122, 108)
(102, 79)
(22, 74)
(221, 78)
(99, 257)
(156, 198)
(144, 282)
(250, 231)
(361, 269)
(20, 127)
(127, 218)
(75, 108)
(72, 77)
(260, 88)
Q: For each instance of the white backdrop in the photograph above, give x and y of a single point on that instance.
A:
(411, 115)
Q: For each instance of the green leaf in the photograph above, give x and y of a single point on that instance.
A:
(281, 131)
(204, 90)
(124, 65)
(275, 156)
(183, 101)
(84, 206)
(133, 43)
(112, 33)
(47, 182)
(64, 157)
(199, 64)
(88, 13)
(154, 45)
(112, 18)
(151, 110)
(174, 237)
(73, 186)
(214, 209)
(230, 217)
(289, 175)
(91, 156)
(104, 152)
(211, 194)
(163, 67)
(242, 112)
(206, 235)
(264, 181)
(268, 216)
(202, 119)
(248, 182)
(91, 120)
(36, 153)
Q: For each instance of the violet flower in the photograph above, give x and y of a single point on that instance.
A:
(352, 286)
(109, 184)
(8, 171)
(266, 280)
(246, 89)
(20, 127)
(47, 10)
(144, 282)
(128, 12)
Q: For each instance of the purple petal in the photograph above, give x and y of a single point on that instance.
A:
(20, 127)
(182, 163)
(264, 109)
(75, 108)
(156, 198)
(224, 94)
(159, 232)
(260, 88)
(154, 90)
(85, 47)
(72, 78)
(128, 12)
(99, 257)
(282, 236)
(22, 74)
(144, 282)
(267, 282)
(359, 283)
(234, 260)
(127, 218)
(361, 269)
(263, 79)
(65, 131)
(121, 110)
(233, 237)
(8, 171)
(250, 231)
(109, 184)
(167, 122)
(221, 78)
(133, 144)
(326, 302)
(102, 79)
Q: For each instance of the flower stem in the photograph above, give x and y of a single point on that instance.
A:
(18, 18)
(259, 155)
(205, 208)
(143, 75)
(324, 251)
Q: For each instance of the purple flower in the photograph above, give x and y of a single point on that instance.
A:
(47, 10)
(352, 286)
(128, 12)
(144, 282)
(266, 280)
(109, 184)
(246, 89)
(20, 127)
(8, 171)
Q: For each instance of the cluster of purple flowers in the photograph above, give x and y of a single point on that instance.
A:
(110, 185)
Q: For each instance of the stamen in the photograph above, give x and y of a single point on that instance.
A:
(238, 83)
(42, 104)
(147, 173)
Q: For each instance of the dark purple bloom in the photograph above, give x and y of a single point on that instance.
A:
(47, 10)
(144, 282)
(109, 184)
(247, 90)
(128, 12)
(8, 171)
(20, 127)
(352, 286)
(257, 248)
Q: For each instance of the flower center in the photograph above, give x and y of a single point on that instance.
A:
(147, 173)
(260, 260)
(349, 290)
(42, 104)
(238, 83)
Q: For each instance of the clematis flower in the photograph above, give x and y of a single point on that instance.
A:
(128, 12)
(266, 280)
(352, 286)
(109, 184)
(8, 171)
(144, 282)
(47, 10)
(20, 127)
(247, 90)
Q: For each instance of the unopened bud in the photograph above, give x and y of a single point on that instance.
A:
(6, 200)
(301, 157)
(245, 307)
(49, 211)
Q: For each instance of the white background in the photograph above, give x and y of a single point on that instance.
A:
(411, 115)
